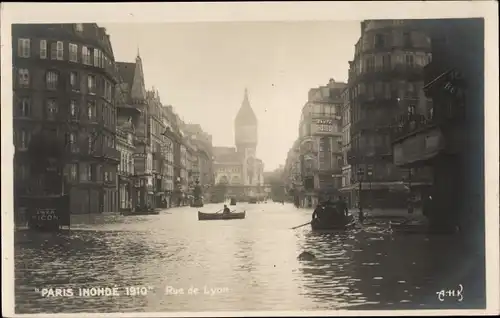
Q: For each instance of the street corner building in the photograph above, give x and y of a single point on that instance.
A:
(63, 97)
(238, 172)
(448, 137)
(385, 82)
(314, 163)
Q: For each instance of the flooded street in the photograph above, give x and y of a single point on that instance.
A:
(248, 264)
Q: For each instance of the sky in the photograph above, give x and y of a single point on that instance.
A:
(202, 70)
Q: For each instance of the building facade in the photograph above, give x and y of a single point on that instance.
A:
(320, 135)
(133, 107)
(385, 81)
(204, 157)
(64, 81)
(156, 131)
(347, 176)
(125, 144)
(445, 137)
(292, 174)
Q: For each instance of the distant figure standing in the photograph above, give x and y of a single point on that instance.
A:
(226, 210)
(318, 212)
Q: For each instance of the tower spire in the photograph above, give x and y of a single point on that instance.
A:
(138, 52)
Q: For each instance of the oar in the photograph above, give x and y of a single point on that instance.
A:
(296, 227)
(218, 211)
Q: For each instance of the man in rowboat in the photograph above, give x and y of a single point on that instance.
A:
(226, 210)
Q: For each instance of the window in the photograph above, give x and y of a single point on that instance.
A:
(72, 141)
(379, 41)
(91, 110)
(73, 52)
(24, 77)
(24, 140)
(97, 58)
(43, 49)
(91, 139)
(409, 60)
(24, 48)
(51, 111)
(73, 81)
(106, 176)
(91, 84)
(51, 79)
(24, 107)
(407, 39)
(84, 172)
(386, 61)
(53, 51)
(60, 50)
(108, 90)
(370, 63)
(411, 110)
(72, 171)
(22, 172)
(73, 110)
(85, 55)
(79, 27)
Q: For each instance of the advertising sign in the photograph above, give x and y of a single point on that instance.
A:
(48, 211)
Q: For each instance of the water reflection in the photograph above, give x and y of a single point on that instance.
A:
(252, 263)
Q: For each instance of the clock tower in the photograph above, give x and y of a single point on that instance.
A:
(245, 128)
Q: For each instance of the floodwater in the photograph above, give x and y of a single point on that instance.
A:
(236, 265)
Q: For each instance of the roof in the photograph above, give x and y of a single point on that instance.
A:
(246, 114)
(126, 71)
(226, 155)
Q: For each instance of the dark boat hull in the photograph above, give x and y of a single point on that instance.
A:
(219, 216)
(317, 225)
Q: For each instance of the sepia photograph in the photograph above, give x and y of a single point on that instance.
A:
(227, 167)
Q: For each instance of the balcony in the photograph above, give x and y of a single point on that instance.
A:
(370, 123)
(409, 125)
(112, 154)
(408, 72)
(368, 155)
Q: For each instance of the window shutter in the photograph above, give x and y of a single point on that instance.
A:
(19, 47)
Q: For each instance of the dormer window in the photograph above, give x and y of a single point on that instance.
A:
(79, 27)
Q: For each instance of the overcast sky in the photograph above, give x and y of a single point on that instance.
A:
(202, 70)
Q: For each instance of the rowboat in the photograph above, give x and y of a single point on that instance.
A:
(317, 225)
(220, 216)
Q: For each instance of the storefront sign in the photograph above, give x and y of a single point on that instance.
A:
(324, 121)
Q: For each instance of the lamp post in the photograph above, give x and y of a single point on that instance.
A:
(360, 174)
(370, 174)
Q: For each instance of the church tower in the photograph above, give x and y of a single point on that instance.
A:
(245, 128)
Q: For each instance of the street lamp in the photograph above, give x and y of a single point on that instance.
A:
(370, 174)
(360, 174)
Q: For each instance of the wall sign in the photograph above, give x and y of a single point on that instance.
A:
(324, 121)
